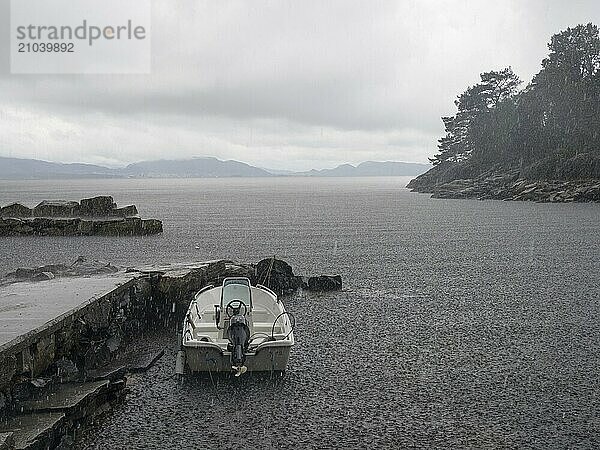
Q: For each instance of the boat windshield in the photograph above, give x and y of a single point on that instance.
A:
(236, 289)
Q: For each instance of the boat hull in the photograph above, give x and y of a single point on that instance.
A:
(212, 359)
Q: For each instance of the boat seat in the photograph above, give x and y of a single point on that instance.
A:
(261, 315)
(266, 327)
(207, 330)
(206, 327)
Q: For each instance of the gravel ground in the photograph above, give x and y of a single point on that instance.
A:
(462, 323)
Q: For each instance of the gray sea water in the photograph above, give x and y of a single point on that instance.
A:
(462, 323)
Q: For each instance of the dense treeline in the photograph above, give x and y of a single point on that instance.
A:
(549, 129)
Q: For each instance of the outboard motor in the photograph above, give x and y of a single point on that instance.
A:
(238, 334)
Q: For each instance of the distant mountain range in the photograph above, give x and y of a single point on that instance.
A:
(193, 168)
(371, 169)
(16, 168)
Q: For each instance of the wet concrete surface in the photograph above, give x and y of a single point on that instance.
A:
(27, 306)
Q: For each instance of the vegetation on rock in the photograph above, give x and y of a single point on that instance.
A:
(550, 130)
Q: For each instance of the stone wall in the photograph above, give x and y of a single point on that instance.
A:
(86, 338)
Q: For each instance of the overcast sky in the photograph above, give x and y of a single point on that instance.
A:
(289, 84)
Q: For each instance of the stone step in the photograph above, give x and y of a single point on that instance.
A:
(62, 397)
(7, 441)
(55, 410)
(33, 431)
(111, 372)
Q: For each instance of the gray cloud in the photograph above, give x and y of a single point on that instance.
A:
(283, 84)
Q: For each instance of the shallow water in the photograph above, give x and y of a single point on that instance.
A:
(462, 323)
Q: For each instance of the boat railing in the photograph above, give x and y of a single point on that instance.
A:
(264, 288)
(205, 288)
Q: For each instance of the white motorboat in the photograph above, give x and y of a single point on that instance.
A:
(235, 327)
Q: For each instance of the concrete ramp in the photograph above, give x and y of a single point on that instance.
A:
(28, 306)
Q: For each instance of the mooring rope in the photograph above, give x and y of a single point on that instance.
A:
(267, 275)
(212, 381)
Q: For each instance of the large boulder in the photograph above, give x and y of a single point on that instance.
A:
(325, 283)
(45, 226)
(43, 276)
(278, 276)
(125, 211)
(118, 227)
(85, 228)
(15, 227)
(83, 267)
(15, 210)
(151, 226)
(80, 267)
(26, 273)
(56, 208)
(239, 270)
(129, 226)
(101, 206)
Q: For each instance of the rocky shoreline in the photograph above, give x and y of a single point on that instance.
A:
(510, 187)
(184, 280)
(97, 216)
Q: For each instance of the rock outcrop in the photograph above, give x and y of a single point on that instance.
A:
(179, 282)
(80, 267)
(15, 210)
(97, 216)
(102, 206)
(125, 211)
(509, 186)
(131, 226)
(56, 208)
(324, 283)
(278, 276)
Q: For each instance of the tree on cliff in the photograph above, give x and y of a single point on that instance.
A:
(554, 119)
(564, 98)
(464, 130)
